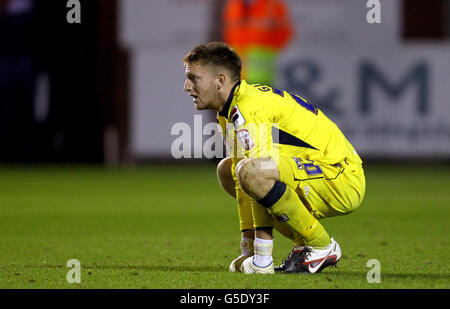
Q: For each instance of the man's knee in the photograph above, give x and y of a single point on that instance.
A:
(224, 168)
(257, 176)
(225, 176)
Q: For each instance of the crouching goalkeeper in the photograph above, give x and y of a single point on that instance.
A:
(290, 165)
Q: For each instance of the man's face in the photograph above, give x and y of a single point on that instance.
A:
(201, 84)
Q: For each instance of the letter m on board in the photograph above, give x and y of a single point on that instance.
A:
(417, 76)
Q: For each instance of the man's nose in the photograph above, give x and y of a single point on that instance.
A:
(187, 86)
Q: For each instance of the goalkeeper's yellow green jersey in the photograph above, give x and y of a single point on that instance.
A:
(265, 121)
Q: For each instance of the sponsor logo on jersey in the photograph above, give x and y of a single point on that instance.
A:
(236, 117)
(244, 138)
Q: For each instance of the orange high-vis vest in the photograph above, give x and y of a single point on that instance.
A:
(256, 22)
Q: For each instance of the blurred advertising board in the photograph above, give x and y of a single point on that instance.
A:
(390, 97)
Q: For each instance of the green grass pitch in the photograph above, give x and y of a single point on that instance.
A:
(172, 227)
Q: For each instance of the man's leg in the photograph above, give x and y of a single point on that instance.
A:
(263, 228)
(260, 178)
(225, 177)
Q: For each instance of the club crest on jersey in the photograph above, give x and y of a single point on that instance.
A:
(244, 138)
(236, 117)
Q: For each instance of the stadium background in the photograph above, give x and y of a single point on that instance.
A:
(87, 112)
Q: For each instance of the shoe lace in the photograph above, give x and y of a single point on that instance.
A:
(306, 252)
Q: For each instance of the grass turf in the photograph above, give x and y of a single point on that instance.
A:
(173, 227)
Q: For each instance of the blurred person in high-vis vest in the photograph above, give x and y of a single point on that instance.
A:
(257, 30)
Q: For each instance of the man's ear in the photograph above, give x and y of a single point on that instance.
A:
(220, 80)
